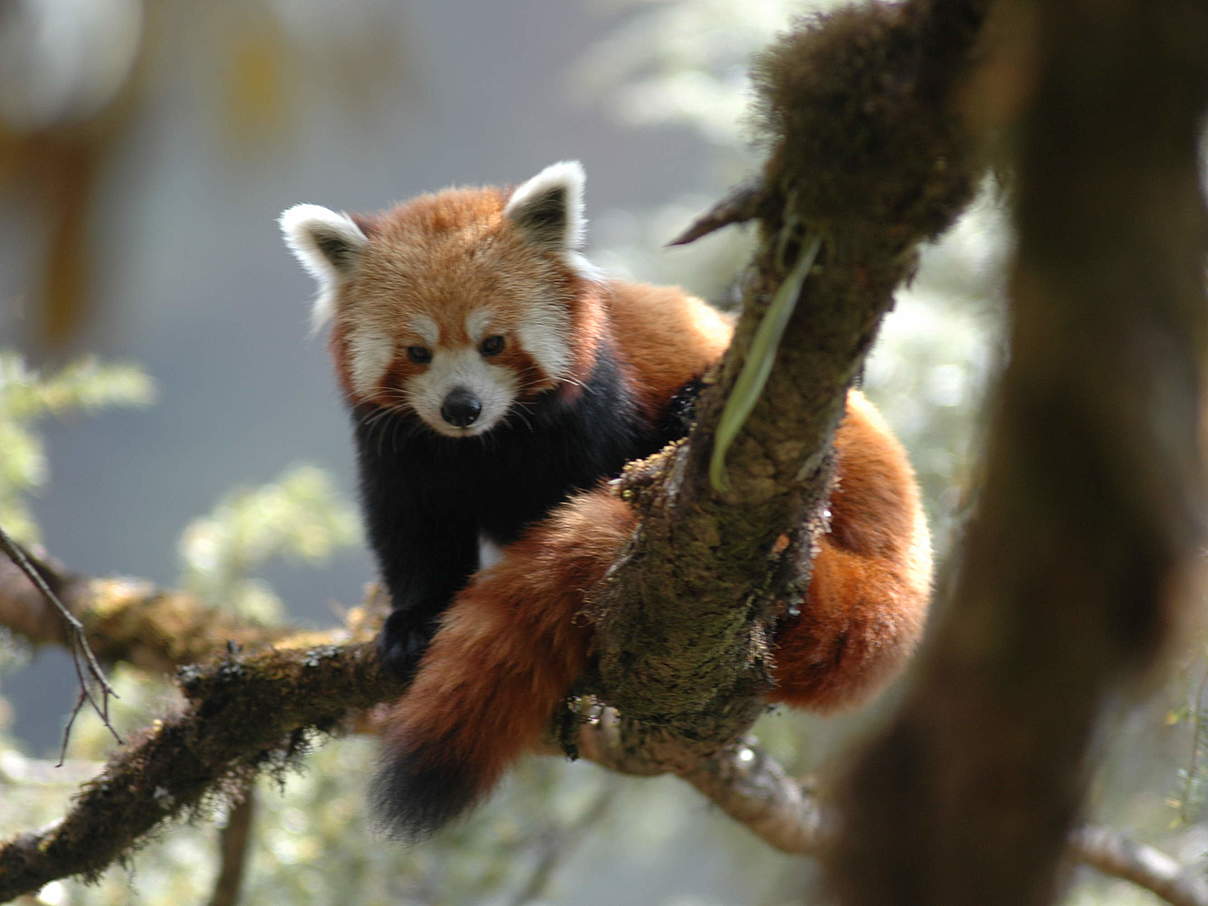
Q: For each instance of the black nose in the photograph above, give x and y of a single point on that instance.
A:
(460, 408)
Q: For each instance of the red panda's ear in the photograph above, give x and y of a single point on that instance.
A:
(328, 245)
(549, 207)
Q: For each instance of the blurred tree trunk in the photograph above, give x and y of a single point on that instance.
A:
(1091, 517)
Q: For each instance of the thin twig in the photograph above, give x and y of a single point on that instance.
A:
(77, 645)
(82, 697)
(1116, 855)
(233, 845)
(741, 204)
(1193, 767)
(560, 841)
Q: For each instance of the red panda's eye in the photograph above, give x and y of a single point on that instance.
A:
(420, 355)
(491, 345)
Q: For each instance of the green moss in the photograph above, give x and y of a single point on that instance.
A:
(850, 113)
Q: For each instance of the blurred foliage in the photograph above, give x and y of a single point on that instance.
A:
(1192, 790)
(25, 397)
(685, 62)
(298, 517)
(76, 77)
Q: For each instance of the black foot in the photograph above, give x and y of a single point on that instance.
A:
(403, 641)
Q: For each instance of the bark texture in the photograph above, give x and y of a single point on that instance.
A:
(245, 715)
(207, 751)
(868, 155)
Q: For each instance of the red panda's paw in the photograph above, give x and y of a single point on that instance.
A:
(403, 641)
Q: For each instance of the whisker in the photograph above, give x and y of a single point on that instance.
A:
(380, 421)
(522, 410)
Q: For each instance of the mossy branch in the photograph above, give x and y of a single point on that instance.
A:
(251, 712)
(134, 622)
(867, 158)
(244, 714)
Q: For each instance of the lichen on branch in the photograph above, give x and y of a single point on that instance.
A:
(867, 157)
(739, 779)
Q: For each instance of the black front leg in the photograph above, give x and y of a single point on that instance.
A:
(423, 571)
(426, 546)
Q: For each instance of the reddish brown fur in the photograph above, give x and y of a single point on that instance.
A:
(668, 336)
(512, 643)
(871, 577)
(453, 251)
(446, 254)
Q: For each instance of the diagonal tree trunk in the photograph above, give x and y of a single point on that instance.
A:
(867, 159)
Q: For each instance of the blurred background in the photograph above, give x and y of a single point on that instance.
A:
(164, 414)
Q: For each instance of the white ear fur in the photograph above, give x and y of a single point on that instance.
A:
(549, 207)
(326, 244)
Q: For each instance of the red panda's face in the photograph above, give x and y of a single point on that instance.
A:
(460, 306)
(451, 343)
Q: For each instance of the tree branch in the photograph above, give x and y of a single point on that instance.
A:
(235, 726)
(244, 715)
(868, 158)
(756, 792)
(132, 621)
(558, 843)
(1119, 857)
(233, 848)
(88, 670)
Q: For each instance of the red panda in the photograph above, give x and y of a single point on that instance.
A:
(511, 646)
(494, 378)
(490, 372)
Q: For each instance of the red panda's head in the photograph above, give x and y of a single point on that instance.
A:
(456, 305)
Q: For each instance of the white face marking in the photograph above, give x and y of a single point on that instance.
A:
(369, 354)
(544, 334)
(428, 330)
(477, 323)
(495, 387)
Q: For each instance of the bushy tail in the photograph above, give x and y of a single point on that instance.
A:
(508, 650)
(510, 646)
(871, 581)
